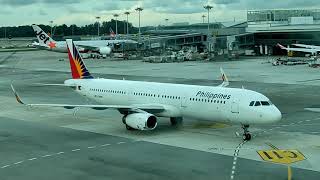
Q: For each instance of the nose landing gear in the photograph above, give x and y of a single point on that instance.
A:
(246, 134)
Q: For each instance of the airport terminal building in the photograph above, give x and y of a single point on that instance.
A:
(266, 28)
(260, 33)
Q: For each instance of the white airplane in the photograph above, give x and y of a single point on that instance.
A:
(306, 48)
(142, 102)
(103, 47)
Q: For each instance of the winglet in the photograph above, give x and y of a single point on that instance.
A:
(224, 77)
(16, 95)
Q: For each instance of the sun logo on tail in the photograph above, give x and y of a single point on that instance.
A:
(78, 68)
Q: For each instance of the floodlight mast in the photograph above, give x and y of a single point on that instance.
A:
(208, 8)
(51, 24)
(127, 13)
(98, 18)
(203, 16)
(167, 20)
(116, 16)
(139, 9)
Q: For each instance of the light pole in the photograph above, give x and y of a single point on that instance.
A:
(127, 13)
(116, 16)
(203, 16)
(72, 29)
(5, 32)
(98, 18)
(166, 21)
(51, 24)
(208, 8)
(139, 9)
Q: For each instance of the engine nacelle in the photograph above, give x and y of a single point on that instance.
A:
(104, 50)
(141, 121)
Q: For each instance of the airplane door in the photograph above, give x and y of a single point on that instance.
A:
(235, 106)
(183, 102)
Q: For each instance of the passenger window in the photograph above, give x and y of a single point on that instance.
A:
(251, 103)
(257, 103)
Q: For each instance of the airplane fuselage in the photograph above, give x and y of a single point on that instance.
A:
(61, 46)
(200, 102)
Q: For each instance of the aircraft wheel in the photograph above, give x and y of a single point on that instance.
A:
(246, 137)
(176, 121)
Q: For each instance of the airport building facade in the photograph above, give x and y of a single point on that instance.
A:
(260, 33)
(266, 28)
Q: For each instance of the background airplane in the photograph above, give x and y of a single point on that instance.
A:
(306, 48)
(142, 103)
(103, 47)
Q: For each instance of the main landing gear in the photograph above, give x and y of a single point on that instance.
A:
(176, 121)
(246, 134)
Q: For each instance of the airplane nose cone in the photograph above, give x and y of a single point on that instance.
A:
(276, 115)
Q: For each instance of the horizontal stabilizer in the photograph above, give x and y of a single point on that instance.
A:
(43, 84)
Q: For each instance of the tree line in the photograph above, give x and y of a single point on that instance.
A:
(72, 30)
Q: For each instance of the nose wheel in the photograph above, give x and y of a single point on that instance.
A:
(246, 134)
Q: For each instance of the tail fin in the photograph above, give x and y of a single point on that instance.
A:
(78, 68)
(282, 47)
(112, 34)
(224, 77)
(43, 38)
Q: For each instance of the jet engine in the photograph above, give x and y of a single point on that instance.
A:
(104, 50)
(141, 121)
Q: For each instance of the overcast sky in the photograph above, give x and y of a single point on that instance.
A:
(26, 12)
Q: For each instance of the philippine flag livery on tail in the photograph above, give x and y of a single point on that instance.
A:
(78, 68)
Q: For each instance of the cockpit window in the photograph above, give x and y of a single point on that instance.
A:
(265, 103)
(251, 103)
(257, 103)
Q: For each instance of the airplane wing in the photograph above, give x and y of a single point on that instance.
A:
(313, 109)
(89, 47)
(307, 46)
(313, 51)
(100, 47)
(307, 50)
(151, 108)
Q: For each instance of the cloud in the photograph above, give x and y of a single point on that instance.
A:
(19, 11)
(15, 3)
